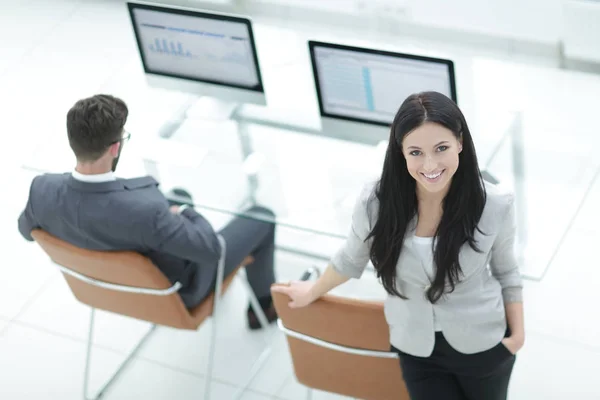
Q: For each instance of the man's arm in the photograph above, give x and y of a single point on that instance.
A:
(27, 219)
(189, 236)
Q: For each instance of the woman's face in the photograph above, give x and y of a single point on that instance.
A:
(431, 153)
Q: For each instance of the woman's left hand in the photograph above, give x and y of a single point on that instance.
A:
(513, 343)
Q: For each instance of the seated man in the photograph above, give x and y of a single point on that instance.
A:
(92, 209)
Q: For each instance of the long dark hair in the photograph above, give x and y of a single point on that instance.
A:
(396, 193)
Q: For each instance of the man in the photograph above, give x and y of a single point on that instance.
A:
(92, 209)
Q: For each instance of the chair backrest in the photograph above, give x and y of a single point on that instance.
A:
(342, 346)
(85, 272)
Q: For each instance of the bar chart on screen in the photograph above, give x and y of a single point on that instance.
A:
(213, 55)
(165, 46)
(196, 47)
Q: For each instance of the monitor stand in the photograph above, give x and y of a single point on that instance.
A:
(206, 108)
(212, 109)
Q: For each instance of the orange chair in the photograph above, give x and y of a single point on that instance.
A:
(342, 346)
(127, 283)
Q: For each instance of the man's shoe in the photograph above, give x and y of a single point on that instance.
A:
(253, 321)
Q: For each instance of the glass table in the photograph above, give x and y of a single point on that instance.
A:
(276, 156)
(311, 182)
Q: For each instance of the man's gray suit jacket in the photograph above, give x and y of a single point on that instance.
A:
(125, 214)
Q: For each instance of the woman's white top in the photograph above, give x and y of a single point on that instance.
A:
(424, 251)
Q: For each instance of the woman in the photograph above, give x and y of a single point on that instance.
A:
(431, 227)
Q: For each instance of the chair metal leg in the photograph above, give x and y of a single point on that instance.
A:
(88, 357)
(309, 394)
(262, 318)
(212, 343)
(213, 336)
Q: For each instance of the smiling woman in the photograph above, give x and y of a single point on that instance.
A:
(430, 166)
(441, 241)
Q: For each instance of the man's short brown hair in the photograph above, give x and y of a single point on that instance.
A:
(94, 124)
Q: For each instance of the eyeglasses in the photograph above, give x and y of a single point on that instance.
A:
(126, 136)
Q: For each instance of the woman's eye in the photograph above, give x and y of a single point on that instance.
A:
(442, 148)
(415, 153)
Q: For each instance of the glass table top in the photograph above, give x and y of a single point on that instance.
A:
(311, 181)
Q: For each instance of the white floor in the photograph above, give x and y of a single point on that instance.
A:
(55, 52)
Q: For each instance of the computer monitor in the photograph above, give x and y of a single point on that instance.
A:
(360, 90)
(202, 53)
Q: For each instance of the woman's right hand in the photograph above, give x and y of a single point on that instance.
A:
(300, 293)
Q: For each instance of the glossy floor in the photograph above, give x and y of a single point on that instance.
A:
(71, 49)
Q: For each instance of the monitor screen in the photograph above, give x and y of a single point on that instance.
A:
(197, 46)
(369, 86)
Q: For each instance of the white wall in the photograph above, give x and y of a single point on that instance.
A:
(537, 27)
(582, 29)
(538, 20)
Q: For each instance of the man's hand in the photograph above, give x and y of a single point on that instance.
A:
(174, 209)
